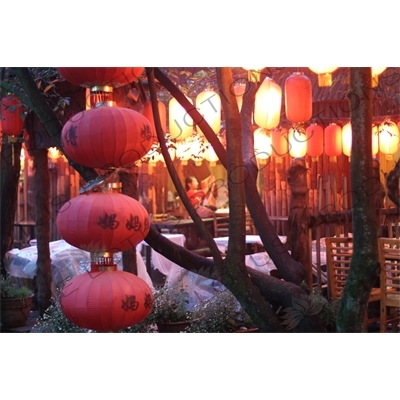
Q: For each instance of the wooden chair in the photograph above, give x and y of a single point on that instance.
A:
(389, 258)
(220, 228)
(339, 251)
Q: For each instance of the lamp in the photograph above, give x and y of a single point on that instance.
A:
(333, 141)
(324, 75)
(297, 143)
(346, 139)
(376, 71)
(388, 138)
(298, 98)
(279, 143)
(180, 122)
(208, 103)
(254, 74)
(262, 145)
(315, 140)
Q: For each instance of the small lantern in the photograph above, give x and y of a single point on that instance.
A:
(315, 140)
(388, 138)
(208, 103)
(12, 111)
(148, 113)
(262, 145)
(324, 75)
(180, 122)
(346, 139)
(297, 143)
(211, 156)
(279, 143)
(268, 102)
(298, 98)
(333, 140)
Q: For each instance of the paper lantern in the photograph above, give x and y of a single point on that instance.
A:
(297, 143)
(333, 140)
(324, 75)
(298, 98)
(100, 76)
(12, 113)
(262, 144)
(180, 122)
(103, 222)
(315, 140)
(211, 156)
(279, 142)
(107, 137)
(268, 102)
(208, 103)
(346, 139)
(106, 301)
(239, 89)
(148, 113)
(388, 137)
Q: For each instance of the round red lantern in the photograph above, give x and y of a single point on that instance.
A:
(106, 301)
(279, 142)
(298, 98)
(107, 137)
(148, 113)
(12, 111)
(315, 140)
(103, 222)
(333, 140)
(102, 76)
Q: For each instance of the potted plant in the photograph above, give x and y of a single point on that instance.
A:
(16, 303)
(221, 314)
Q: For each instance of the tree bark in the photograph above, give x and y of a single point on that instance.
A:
(364, 266)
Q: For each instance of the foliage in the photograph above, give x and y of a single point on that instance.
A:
(222, 313)
(10, 290)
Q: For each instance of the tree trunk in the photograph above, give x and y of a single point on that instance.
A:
(9, 180)
(364, 266)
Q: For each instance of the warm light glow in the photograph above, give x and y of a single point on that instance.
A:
(267, 108)
(254, 74)
(333, 140)
(53, 154)
(279, 142)
(315, 140)
(180, 122)
(298, 98)
(262, 144)
(388, 137)
(211, 156)
(346, 139)
(239, 90)
(375, 140)
(208, 103)
(297, 143)
(376, 71)
(183, 151)
(324, 75)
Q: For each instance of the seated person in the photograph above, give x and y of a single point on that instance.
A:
(198, 197)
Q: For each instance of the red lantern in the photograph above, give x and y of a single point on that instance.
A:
(102, 76)
(103, 222)
(12, 111)
(315, 140)
(333, 140)
(106, 301)
(279, 142)
(148, 113)
(107, 137)
(298, 98)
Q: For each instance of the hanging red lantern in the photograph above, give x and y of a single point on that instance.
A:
(106, 301)
(279, 142)
(333, 140)
(315, 140)
(100, 76)
(298, 98)
(12, 113)
(107, 137)
(103, 222)
(148, 113)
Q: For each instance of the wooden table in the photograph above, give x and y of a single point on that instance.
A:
(188, 228)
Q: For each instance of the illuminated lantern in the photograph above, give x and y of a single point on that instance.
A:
(376, 71)
(297, 143)
(279, 142)
(324, 75)
(208, 103)
(346, 139)
(106, 301)
(107, 137)
(180, 122)
(254, 74)
(315, 140)
(12, 111)
(388, 137)
(239, 90)
(100, 76)
(148, 113)
(298, 98)
(267, 108)
(103, 222)
(333, 140)
(211, 156)
(262, 144)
